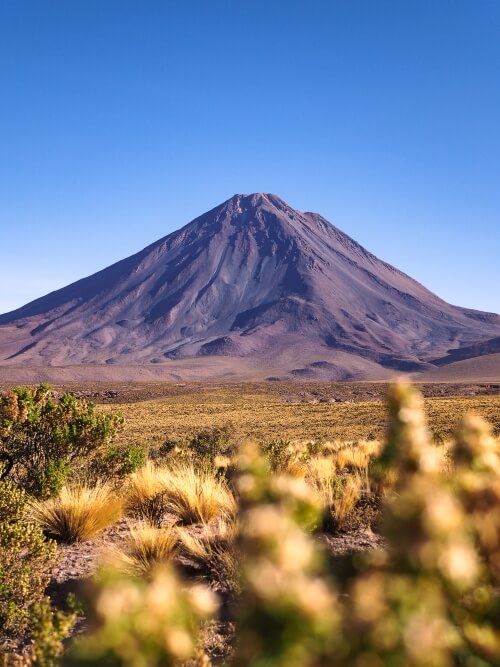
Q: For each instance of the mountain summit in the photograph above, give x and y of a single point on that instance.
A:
(252, 279)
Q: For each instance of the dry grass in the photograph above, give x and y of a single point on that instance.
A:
(78, 513)
(211, 553)
(146, 548)
(146, 499)
(343, 503)
(198, 496)
(338, 492)
(260, 412)
(184, 493)
(356, 456)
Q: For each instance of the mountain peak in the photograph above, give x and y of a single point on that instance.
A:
(256, 200)
(254, 279)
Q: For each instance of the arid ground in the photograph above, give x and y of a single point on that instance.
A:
(155, 412)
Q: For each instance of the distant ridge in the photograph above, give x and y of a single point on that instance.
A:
(256, 282)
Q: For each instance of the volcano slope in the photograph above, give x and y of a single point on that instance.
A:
(251, 288)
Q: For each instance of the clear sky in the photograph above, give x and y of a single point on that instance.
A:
(120, 121)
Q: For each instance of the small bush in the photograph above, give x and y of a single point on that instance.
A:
(78, 513)
(213, 442)
(12, 502)
(281, 453)
(143, 622)
(42, 437)
(49, 628)
(26, 561)
(114, 463)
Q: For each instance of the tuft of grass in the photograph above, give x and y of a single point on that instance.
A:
(78, 513)
(146, 548)
(211, 553)
(337, 494)
(344, 503)
(146, 500)
(198, 496)
(356, 456)
(184, 493)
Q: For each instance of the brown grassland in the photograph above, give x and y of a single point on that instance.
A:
(288, 412)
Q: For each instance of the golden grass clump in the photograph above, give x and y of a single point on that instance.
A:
(146, 499)
(198, 496)
(343, 503)
(184, 494)
(78, 513)
(211, 553)
(356, 456)
(338, 495)
(146, 548)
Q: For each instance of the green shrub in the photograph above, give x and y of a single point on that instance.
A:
(141, 622)
(42, 437)
(212, 442)
(49, 628)
(279, 452)
(117, 462)
(12, 502)
(26, 561)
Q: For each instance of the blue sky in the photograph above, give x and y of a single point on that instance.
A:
(121, 121)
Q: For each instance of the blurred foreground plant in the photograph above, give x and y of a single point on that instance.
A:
(141, 622)
(287, 613)
(413, 605)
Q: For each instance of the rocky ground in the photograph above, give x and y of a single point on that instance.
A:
(289, 392)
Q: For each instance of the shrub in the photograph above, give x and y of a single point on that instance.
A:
(78, 513)
(281, 453)
(114, 463)
(42, 436)
(12, 502)
(26, 561)
(138, 622)
(213, 442)
(49, 629)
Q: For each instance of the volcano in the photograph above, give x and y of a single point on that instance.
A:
(252, 284)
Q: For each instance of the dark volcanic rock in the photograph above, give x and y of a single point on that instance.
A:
(253, 277)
